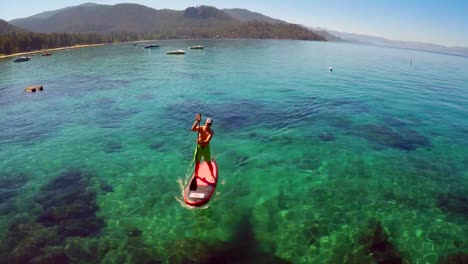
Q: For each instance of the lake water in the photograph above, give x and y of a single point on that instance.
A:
(363, 164)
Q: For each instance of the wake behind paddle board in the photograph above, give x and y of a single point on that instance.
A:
(206, 185)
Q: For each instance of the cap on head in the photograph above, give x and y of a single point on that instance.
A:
(209, 121)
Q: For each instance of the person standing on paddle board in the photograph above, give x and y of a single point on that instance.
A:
(205, 134)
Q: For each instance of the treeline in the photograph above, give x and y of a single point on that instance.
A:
(29, 41)
(264, 30)
(16, 42)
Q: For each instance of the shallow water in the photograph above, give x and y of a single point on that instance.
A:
(311, 162)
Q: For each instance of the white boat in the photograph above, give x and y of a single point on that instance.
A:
(176, 52)
(196, 47)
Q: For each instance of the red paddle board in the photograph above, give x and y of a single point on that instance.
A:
(206, 184)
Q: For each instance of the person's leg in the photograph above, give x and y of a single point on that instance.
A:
(197, 165)
(197, 158)
(207, 158)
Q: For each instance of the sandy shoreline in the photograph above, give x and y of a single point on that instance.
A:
(48, 50)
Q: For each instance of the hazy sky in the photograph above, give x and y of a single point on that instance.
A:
(435, 21)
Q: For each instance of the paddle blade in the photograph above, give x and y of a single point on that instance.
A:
(193, 184)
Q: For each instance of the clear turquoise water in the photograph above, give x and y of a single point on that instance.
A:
(309, 159)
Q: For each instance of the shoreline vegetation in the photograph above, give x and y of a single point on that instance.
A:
(2, 56)
(22, 42)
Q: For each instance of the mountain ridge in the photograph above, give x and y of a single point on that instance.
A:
(246, 15)
(386, 42)
(94, 24)
(137, 18)
(6, 27)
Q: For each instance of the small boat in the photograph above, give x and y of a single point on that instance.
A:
(21, 59)
(176, 52)
(46, 54)
(151, 46)
(196, 47)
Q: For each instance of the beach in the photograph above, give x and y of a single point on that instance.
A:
(49, 50)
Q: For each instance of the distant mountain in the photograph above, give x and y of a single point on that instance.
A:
(247, 15)
(379, 41)
(326, 34)
(194, 22)
(205, 12)
(6, 27)
(47, 14)
(120, 17)
(136, 18)
(264, 30)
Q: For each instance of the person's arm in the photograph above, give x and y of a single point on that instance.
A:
(196, 126)
(208, 138)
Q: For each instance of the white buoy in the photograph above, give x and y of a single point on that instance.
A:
(330, 69)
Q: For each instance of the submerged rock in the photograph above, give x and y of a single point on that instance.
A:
(188, 250)
(454, 203)
(25, 242)
(327, 137)
(9, 186)
(457, 258)
(413, 140)
(51, 255)
(156, 145)
(68, 188)
(105, 187)
(396, 122)
(340, 122)
(69, 210)
(82, 250)
(386, 136)
(112, 146)
(69, 204)
(134, 233)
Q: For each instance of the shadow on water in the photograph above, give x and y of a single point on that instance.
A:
(376, 245)
(243, 248)
(371, 244)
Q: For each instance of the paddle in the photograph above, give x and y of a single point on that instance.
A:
(193, 184)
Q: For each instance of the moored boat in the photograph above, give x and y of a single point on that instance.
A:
(176, 52)
(46, 54)
(152, 46)
(196, 47)
(21, 59)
